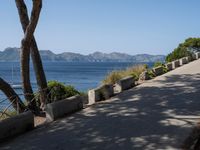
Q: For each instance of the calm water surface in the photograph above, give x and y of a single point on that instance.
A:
(82, 76)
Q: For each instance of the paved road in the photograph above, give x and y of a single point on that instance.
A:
(158, 114)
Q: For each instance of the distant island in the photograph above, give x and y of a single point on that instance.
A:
(13, 54)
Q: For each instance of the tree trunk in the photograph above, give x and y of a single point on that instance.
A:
(25, 52)
(17, 104)
(37, 63)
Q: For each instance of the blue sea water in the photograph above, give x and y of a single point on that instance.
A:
(82, 75)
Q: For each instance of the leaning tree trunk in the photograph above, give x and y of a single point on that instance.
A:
(25, 53)
(15, 100)
(37, 63)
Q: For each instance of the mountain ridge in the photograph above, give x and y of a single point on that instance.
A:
(13, 54)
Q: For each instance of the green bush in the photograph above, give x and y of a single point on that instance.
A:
(184, 49)
(151, 74)
(160, 64)
(70, 91)
(57, 91)
(157, 64)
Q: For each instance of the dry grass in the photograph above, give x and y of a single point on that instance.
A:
(116, 75)
(7, 114)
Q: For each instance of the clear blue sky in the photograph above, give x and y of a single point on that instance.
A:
(85, 26)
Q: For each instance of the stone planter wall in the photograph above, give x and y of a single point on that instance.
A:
(175, 64)
(158, 70)
(183, 61)
(124, 84)
(197, 55)
(169, 66)
(63, 107)
(16, 125)
(100, 93)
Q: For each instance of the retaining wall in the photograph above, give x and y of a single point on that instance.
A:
(16, 125)
(158, 70)
(169, 66)
(175, 64)
(64, 107)
(124, 84)
(100, 93)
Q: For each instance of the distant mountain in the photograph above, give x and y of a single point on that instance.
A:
(13, 54)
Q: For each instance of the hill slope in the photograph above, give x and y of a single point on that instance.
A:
(13, 54)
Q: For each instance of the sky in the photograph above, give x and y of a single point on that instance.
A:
(86, 26)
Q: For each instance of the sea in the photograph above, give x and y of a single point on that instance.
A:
(82, 75)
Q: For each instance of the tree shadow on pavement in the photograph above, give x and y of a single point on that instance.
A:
(155, 115)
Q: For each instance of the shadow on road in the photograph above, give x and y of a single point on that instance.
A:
(146, 117)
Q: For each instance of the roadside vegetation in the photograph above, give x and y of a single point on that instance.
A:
(184, 49)
(58, 91)
(116, 75)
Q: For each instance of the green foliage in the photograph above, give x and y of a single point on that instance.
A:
(116, 75)
(151, 74)
(57, 91)
(70, 91)
(192, 43)
(157, 64)
(160, 64)
(184, 49)
(146, 66)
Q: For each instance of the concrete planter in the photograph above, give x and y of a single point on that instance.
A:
(197, 55)
(16, 125)
(63, 107)
(144, 76)
(189, 59)
(169, 66)
(158, 70)
(183, 61)
(175, 64)
(100, 93)
(124, 84)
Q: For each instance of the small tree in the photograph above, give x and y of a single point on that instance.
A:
(25, 48)
(36, 59)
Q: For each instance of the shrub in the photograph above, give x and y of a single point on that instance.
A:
(70, 91)
(160, 64)
(151, 74)
(57, 91)
(157, 64)
(184, 49)
(116, 75)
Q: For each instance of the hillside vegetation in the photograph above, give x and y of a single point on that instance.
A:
(184, 49)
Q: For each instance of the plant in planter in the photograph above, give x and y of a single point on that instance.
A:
(58, 91)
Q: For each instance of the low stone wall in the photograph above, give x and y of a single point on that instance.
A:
(63, 107)
(175, 64)
(124, 84)
(197, 55)
(158, 70)
(189, 59)
(144, 76)
(16, 125)
(100, 93)
(169, 66)
(183, 61)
